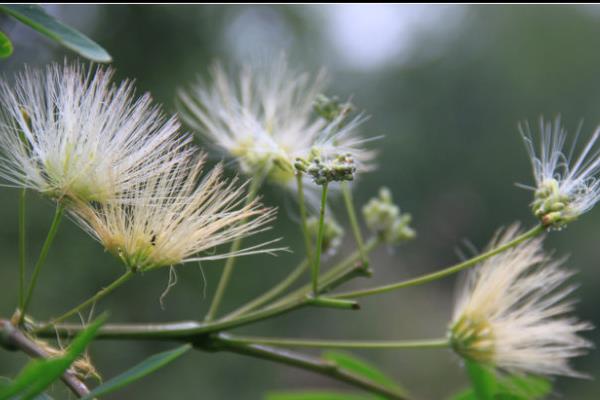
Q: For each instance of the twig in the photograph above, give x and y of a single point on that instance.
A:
(12, 338)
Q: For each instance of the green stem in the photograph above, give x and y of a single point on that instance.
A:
(303, 215)
(42, 258)
(230, 263)
(272, 293)
(341, 344)
(95, 298)
(319, 246)
(336, 275)
(22, 236)
(327, 302)
(189, 330)
(318, 365)
(347, 193)
(445, 272)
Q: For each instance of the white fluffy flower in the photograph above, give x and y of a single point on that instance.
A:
(566, 187)
(172, 218)
(512, 313)
(265, 119)
(67, 131)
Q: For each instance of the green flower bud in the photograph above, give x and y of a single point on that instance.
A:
(384, 218)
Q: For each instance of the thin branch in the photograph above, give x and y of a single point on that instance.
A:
(315, 364)
(12, 338)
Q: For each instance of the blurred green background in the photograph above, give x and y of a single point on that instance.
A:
(446, 85)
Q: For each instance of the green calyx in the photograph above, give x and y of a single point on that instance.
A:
(473, 339)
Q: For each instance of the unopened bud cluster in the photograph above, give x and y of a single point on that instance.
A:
(331, 108)
(340, 168)
(332, 233)
(383, 217)
(551, 206)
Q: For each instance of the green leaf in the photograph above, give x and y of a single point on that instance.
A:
(483, 380)
(35, 17)
(362, 368)
(514, 388)
(314, 395)
(37, 375)
(139, 371)
(6, 47)
(523, 387)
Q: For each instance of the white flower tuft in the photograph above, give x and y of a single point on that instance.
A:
(566, 187)
(172, 218)
(512, 313)
(265, 119)
(67, 131)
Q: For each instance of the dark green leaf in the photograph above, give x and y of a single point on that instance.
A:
(362, 368)
(483, 380)
(314, 395)
(6, 47)
(39, 374)
(139, 371)
(35, 17)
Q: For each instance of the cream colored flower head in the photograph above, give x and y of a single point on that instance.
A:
(512, 313)
(566, 186)
(173, 218)
(68, 132)
(265, 119)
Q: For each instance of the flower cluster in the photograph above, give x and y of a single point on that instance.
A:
(511, 313)
(124, 171)
(565, 187)
(265, 120)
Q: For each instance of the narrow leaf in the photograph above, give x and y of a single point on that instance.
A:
(514, 387)
(139, 371)
(38, 19)
(37, 375)
(362, 368)
(6, 47)
(483, 380)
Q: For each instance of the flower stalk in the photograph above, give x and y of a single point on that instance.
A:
(58, 214)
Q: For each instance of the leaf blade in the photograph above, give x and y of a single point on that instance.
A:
(139, 371)
(37, 375)
(35, 17)
(6, 47)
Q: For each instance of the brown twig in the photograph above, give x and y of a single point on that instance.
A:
(12, 338)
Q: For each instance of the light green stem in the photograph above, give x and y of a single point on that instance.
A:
(341, 344)
(347, 193)
(272, 293)
(230, 263)
(445, 272)
(22, 236)
(303, 215)
(42, 258)
(319, 246)
(95, 298)
(333, 275)
(327, 302)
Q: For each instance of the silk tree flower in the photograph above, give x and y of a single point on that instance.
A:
(512, 314)
(68, 132)
(566, 187)
(173, 217)
(265, 119)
